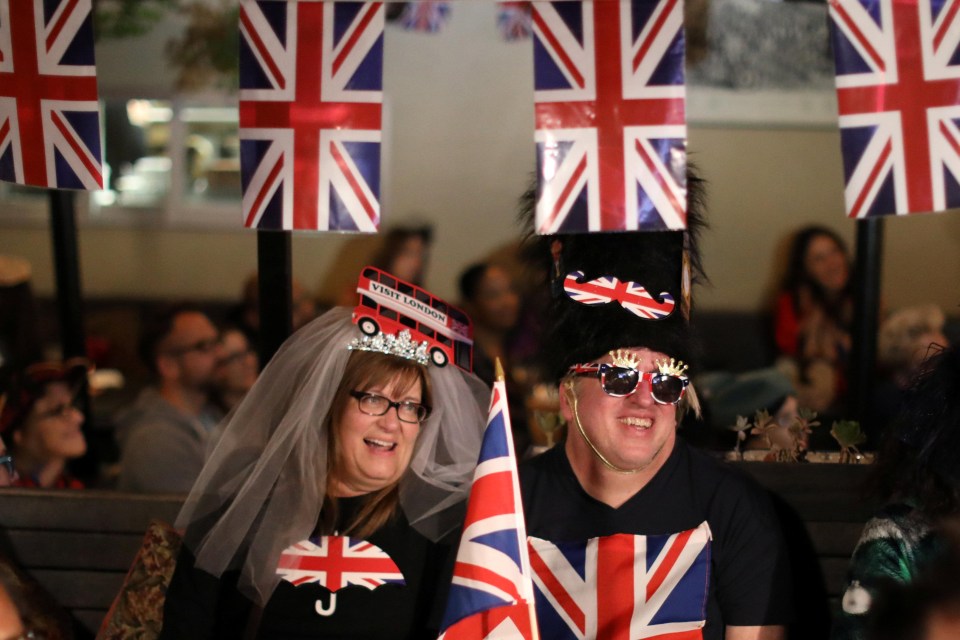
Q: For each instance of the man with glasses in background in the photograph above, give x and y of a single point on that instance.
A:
(163, 436)
(633, 532)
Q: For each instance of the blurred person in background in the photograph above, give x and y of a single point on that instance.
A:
(488, 295)
(405, 253)
(917, 476)
(236, 369)
(246, 315)
(905, 339)
(163, 436)
(41, 424)
(813, 317)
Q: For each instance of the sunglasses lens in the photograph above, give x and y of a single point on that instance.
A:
(667, 389)
(620, 381)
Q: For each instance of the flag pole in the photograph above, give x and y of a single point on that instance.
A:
(275, 282)
(531, 606)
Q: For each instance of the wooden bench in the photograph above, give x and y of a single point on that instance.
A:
(79, 544)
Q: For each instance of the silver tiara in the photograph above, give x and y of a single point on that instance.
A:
(394, 345)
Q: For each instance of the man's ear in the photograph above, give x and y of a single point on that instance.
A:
(568, 396)
(167, 366)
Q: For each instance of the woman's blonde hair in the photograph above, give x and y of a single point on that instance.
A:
(365, 370)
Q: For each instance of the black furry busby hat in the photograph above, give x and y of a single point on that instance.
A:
(665, 264)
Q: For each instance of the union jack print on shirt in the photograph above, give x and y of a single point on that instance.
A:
(606, 289)
(49, 115)
(491, 592)
(898, 94)
(623, 587)
(335, 562)
(610, 122)
(310, 111)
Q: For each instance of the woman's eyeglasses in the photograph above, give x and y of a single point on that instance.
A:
(666, 388)
(374, 405)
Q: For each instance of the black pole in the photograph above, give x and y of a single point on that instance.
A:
(866, 319)
(66, 262)
(66, 266)
(275, 273)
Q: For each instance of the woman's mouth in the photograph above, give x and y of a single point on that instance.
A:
(381, 445)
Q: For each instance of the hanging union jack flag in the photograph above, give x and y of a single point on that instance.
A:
(898, 94)
(311, 94)
(335, 562)
(49, 115)
(623, 587)
(491, 594)
(610, 122)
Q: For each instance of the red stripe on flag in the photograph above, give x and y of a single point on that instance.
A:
(946, 131)
(669, 560)
(497, 492)
(254, 37)
(561, 595)
(861, 40)
(58, 27)
(615, 597)
(80, 150)
(370, 12)
(946, 23)
(486, 576)
(352, 180)
(4, 133)
(675, 204)
(652, 36)
(481, 624)
(560, 51)
(872, 179)
(267, 188)
(565, 194)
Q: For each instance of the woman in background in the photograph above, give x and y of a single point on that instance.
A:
(813, 318)
(41, 423)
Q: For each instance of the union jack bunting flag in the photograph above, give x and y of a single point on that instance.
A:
(623, 587)
(335, 562)
(49, 115)
(310, 110)
(631, 296)
(898, 94)
(427, 16)
(610, 115)
(491, 595)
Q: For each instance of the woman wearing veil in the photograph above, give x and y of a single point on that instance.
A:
(324, 510)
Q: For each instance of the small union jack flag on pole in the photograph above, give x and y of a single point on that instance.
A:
(610, 115)
(335, 562)
(898, 94)
(491, 594)
(49, 114)
(311, 94)
(623, 587)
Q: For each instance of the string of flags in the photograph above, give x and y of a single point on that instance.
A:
(609, 92)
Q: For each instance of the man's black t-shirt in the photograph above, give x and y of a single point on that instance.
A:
(749, 579)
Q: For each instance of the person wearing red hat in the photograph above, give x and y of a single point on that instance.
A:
(41, 423)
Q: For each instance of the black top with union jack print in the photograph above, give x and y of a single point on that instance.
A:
(363, 599)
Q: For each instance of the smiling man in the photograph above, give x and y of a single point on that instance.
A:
(633, 533)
